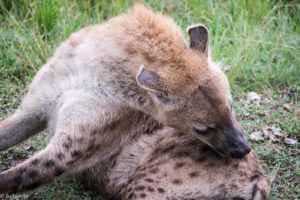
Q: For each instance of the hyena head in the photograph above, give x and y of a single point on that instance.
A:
(193, 95)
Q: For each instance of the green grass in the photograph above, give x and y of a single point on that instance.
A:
(259, 39)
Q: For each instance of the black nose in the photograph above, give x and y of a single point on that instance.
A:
(237, 145)
(241, 152)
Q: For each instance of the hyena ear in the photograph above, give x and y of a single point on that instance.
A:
(150, 81)
(199, 38)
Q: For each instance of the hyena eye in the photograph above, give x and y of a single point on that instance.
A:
(204, 132)
(204, 129)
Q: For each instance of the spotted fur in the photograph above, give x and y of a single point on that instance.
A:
(212, 178)
(108, 84)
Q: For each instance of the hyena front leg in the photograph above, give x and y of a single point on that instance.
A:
(77, 137)
(28, 119)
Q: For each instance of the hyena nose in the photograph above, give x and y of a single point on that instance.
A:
(237, 143)
(241, 151)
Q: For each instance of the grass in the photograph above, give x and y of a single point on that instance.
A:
(260, 40)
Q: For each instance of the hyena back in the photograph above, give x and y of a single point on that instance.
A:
(166, 164)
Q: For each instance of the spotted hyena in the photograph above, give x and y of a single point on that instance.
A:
(110, 83)
(166, 164)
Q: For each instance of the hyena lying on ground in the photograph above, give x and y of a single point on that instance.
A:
(165, 164)
(108, 84)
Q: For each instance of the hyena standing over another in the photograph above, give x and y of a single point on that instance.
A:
(108, 84)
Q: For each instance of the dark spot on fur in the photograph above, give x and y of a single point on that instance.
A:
(71, 162)
(192, 143)
(252, 178)
(95, 132)
(82, 128)
(70, 55)
(129, 189)
(141, 175)
(58, 171)
(264, 195)
(206, 149)
(177, 181)
(35, 162)
(153, 158)
(139, 188)
(235, 166)
(80, 140)
(200, 159)
(142, 195)
(149, 180)
(148, 57)
(227, 161)
(91, 147)
(210, 164)
(168, 149)
(194, 174)
(75, 153)
(66, 146)
(130, 181)
(32, 174)
(33, 185)
(150, 189)
(49, 163)
(160, 190)
(154, 171)
(130, 50)
(179, 165)
(60, 156)
(179, 134)
(17, 181)
(97, 146)
(21, 171)
(258, 172)
(181, 154)
(70, 141)
(131, 196)
(254, 190)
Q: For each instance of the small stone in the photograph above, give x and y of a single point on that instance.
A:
(254, 97)
(286, 107)
(276, 131)
(256, 136)
(290, 141)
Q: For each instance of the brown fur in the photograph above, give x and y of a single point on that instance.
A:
(108, 84)
(171, 165)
